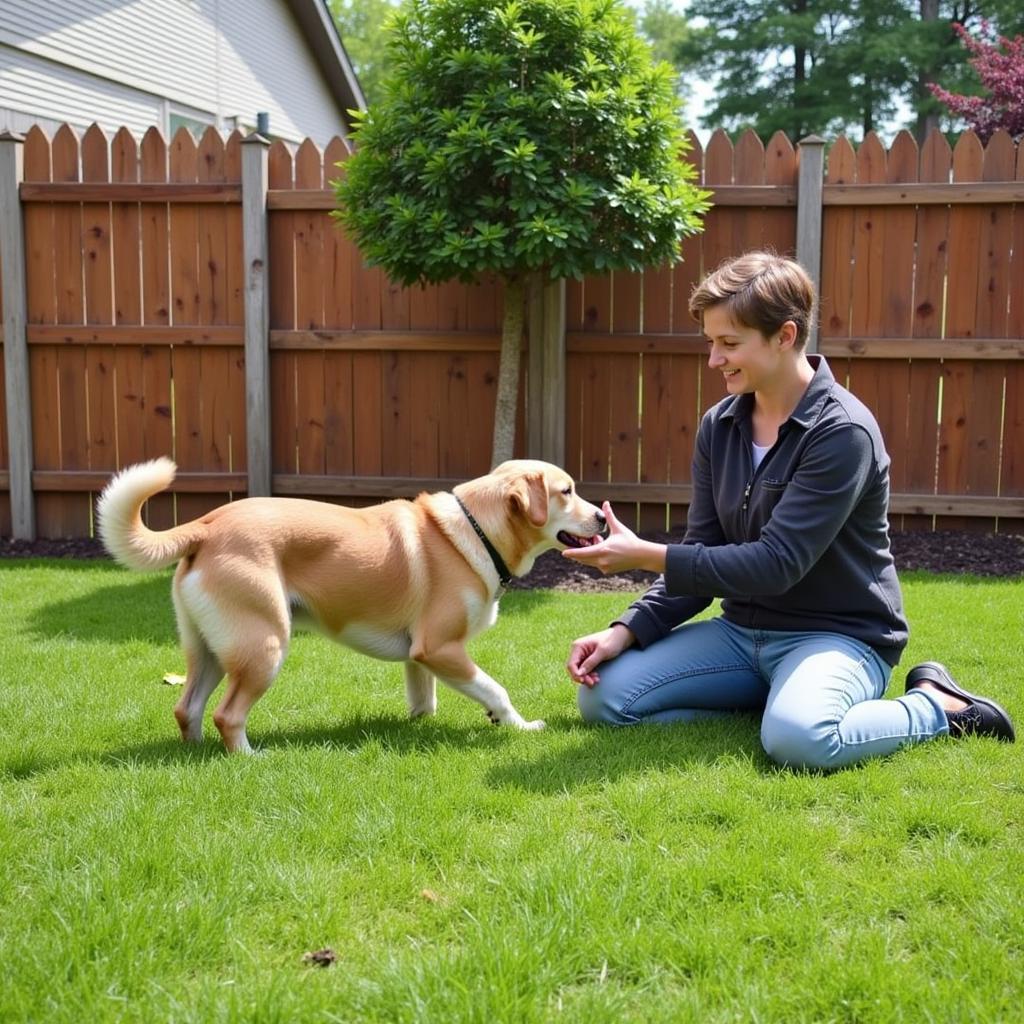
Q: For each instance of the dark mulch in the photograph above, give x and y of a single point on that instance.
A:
(945, 551)
(949, 551)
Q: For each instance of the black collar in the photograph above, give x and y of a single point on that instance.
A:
(499, 563)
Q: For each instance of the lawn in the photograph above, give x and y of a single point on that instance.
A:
(461, 872)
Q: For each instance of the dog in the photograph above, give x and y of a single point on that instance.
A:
(408, 581)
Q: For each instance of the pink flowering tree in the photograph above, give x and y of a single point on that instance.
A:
(1000, 66)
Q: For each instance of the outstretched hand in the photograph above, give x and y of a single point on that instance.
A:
(620, 550)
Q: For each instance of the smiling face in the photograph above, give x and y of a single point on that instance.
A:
(747, 359)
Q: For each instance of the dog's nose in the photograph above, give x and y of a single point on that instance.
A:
(602, 522)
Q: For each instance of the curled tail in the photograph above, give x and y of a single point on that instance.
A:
(119, 519)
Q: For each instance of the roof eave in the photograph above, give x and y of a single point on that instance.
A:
(322, 35)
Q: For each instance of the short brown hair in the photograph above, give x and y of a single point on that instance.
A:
(761, 290)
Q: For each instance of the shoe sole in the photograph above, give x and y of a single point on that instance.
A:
(936, 674)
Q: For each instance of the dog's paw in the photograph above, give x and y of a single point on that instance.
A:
(535, 726)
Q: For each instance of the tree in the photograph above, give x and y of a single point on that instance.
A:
(670, 35)
(520, 138)
(1002, 77)
(813, 66)
(361, 25)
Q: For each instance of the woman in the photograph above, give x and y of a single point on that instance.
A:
(788, 525)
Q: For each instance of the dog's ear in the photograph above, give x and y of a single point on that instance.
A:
(530, 495)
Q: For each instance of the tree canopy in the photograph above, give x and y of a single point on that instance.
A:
(813, 66)
(534, 135)
(362, 25)
(1000, 68)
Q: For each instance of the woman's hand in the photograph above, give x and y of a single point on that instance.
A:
(620, 550)
(589, 651)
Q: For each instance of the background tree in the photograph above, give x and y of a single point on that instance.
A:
(809, 65)
(670, 35)
(362, 27)
(519, 138)
(1000, 67)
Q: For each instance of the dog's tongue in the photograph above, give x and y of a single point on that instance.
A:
(573, 540)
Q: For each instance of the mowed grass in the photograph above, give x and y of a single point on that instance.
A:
(462, 872)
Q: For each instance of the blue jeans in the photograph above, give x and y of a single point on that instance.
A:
(819, 693)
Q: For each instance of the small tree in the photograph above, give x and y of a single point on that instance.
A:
(1002, 77)
(515, 138)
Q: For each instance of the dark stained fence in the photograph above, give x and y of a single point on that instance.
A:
(134, 281)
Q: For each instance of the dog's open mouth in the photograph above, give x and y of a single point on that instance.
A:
(574, 540)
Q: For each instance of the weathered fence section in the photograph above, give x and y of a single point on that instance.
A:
(135, 289)
(371, 383)
(923, 312)
(134, 318)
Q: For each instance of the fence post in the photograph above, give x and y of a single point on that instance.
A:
(808, 216)
(545, 431)
(257, 313)
(19, 409)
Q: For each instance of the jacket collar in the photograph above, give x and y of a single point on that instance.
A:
(740, 407)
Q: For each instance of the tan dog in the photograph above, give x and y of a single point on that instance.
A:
(408, 581)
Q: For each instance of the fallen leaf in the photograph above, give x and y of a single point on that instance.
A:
(173, 679)
(321, 958)
(429, 895)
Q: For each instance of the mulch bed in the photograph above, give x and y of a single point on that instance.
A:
(944, 551)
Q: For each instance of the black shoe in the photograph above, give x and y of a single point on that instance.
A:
(981, 717)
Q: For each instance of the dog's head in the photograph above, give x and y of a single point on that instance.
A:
(537, 509)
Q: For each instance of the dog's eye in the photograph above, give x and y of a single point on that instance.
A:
(567, 490)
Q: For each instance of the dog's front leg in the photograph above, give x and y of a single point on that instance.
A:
(452, 665)
(420, 690)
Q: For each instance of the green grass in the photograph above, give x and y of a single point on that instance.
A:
(578, 874)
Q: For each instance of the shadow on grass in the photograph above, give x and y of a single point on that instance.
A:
(605, 753)
(395, 734)
(136, 608)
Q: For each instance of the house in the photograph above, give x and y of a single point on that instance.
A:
(169, 63)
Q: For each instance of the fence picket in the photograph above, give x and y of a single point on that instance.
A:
(156, 234)
(717, 237)
(6, 519)
(1011, 477)
(962, 436)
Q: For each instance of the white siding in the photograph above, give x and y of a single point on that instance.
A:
(226, 58)
(36, 91)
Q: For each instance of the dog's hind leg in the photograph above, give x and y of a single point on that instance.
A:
(420, 690)
(204, 673)
(251, 666)
(203, 670)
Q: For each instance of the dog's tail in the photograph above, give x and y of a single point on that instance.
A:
(119, 519)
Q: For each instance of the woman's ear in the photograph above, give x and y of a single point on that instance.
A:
(787, 334)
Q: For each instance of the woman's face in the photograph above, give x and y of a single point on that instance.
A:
(746, 358)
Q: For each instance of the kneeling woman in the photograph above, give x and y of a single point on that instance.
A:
(788, 525)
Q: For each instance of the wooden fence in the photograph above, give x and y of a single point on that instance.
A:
(135, 330)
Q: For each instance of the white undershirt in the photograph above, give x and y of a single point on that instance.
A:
(759, 452)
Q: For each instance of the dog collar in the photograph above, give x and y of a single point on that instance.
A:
(499, 563)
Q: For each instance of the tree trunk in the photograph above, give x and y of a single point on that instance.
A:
(926, 123)
(508, 371)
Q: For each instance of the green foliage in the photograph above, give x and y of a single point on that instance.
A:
(362, 27)
(534, 135)
(669, 33)
(812, 66)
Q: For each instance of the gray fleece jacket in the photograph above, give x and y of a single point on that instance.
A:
(800, 544)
